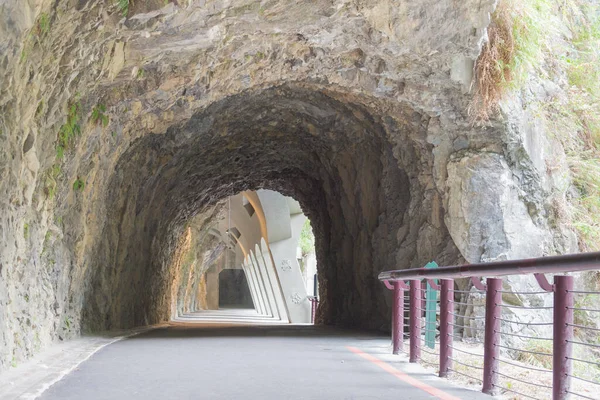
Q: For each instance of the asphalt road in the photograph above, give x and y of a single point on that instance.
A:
(250, 362)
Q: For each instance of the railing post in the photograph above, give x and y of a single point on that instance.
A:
(398, 318)
(491, 351)
(446, 331)
(313, 309)
(563, 335)
(415, 320)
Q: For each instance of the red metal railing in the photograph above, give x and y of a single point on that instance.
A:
(487, 326)
(313, 308)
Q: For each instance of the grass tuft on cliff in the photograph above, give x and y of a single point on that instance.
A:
(581, 117)
(516, 43)
(69, 130)
(520, 42)
(123, 7)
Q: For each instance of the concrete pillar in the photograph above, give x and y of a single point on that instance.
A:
(261, 286)
(258, 304)
(267, 284)
(252, 287)
(288, 270)
(274, 281)
(212, 288)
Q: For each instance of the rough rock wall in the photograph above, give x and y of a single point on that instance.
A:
(358, 109)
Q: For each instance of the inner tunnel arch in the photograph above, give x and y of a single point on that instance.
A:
(360, 168)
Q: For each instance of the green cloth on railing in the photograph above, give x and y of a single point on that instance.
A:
(430, 311)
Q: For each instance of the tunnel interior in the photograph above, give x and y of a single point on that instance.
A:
(357, 173)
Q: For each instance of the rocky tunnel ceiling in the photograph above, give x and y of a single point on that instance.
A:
(327, 150)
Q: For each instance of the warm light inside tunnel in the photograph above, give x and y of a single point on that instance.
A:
(264, 260)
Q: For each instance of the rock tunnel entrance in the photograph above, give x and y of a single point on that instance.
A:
(361, 177)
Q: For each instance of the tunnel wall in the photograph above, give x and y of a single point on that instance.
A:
(357, 109)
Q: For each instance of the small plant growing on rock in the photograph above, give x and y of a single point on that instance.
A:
(69, 130)
(47, 239)
(123, 7)
(78, 185)
(99, 116)
(26, 231)
(43, 25)
(51, 177)
(517, 36)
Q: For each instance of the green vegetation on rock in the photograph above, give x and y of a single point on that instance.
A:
(521, 40)
(123, 7)
(99, 116)
(69, 130)
(517, 37)
(307, 239)
(582, 116)
(78, 185)
(43, 25)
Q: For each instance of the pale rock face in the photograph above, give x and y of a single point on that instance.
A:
(358, 109)
(486, 217)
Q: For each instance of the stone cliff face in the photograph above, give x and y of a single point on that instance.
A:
(117, 131)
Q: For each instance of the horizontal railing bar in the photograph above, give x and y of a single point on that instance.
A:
(467, 327)
(525, 367)
(470, 339)
(522, 336)
(585, 380)
(525, 323)
(583, 309)
(463, 316)
(466, 352)
(468, 376)
(428, 352)
(524, 351)
(466, 365)
(525, 293)
(525, 308)
(468, 304)
(597, 346)
(583, 292)
(515, 392)
(553, 264)
(581, 395)
(584, 361)
(468, 291)
(427, 362)
(522, 381)
(584, 327)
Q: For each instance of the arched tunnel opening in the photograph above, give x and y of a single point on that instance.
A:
(258, 253)
(356, 172)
